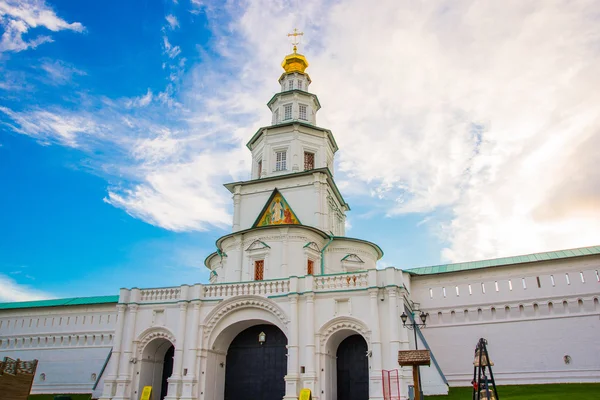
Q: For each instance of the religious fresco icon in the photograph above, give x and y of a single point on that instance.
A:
(277, 212)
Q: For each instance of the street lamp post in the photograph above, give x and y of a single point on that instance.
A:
(414, 325)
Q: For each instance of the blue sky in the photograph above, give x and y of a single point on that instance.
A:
(119, 122)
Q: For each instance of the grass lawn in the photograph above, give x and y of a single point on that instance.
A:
(579, 391)
(52, 396)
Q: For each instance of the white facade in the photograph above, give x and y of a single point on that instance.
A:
(319, 288)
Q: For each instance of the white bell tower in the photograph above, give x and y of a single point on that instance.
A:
(294, 156)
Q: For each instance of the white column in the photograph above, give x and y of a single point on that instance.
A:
(113, 365)
(310, 349)
(124, 379)
(175, 379)
(190, 381)
(236, 208)
(291, 379)
(393, 318)
(375, 389)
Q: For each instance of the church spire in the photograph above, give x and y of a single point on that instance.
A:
(295, 62)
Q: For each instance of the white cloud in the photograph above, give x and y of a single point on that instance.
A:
(141, 101)
(10, 290)
(18, 17)
(172, 20)
(48, 126)
(438, 109)
(59, 72)
(170, 50)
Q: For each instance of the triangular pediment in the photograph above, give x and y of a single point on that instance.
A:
(352, 258)
(312, 245)
(257, 245)
(276, 211)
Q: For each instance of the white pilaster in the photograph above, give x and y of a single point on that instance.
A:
(292, 377)
(175, 379)
(190, 381)
(123, 391)
(113, 366)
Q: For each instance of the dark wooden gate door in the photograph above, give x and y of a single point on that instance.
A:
(255, 371)
(352, 369)
(167, 372)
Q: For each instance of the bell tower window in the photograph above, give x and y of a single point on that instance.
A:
(280, 161)
(287, 112)
(302, 112)
(309, 161)
(300, 84)
(291, 85)
(259, 167)
(259, 270)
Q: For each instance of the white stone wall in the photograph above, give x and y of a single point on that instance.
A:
(530, 328)
(71, 343)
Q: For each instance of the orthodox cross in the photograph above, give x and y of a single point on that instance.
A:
(295, 40)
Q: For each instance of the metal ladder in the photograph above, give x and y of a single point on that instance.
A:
(483, 366)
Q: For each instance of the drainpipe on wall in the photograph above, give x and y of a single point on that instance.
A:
(323, 255)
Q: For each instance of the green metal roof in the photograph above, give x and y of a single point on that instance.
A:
(72, 301)
(497, 262)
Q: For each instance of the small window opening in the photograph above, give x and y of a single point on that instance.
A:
(430, 293)
(309, 161)
(291, 85)
(444, 291)
(287, 112)
(482, 287)
(552, 280)
(582, 277)
(310, 267)
(259, 270)
(470, 290)
(537, 278)
(259, 168)
(496, 285)
(524, 283)
(597, 276)
(300, 84)
(302, 112)
(280, 161)
(509, 285)
(568, 279)
(457, 292)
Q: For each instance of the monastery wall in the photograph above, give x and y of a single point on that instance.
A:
(541, 320)
(72, 344)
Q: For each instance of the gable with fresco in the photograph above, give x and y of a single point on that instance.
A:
(277, 211)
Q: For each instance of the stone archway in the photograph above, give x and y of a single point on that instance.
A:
(155, 357)
(223, 325)
(348, 338)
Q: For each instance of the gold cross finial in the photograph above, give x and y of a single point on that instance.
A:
(294, 37)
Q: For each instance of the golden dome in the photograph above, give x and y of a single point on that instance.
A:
(294, 62)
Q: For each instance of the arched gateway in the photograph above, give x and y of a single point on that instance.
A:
(256, 364)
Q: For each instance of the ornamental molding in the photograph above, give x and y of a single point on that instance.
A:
(238, 303)
(341, 323)
(153, 333)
